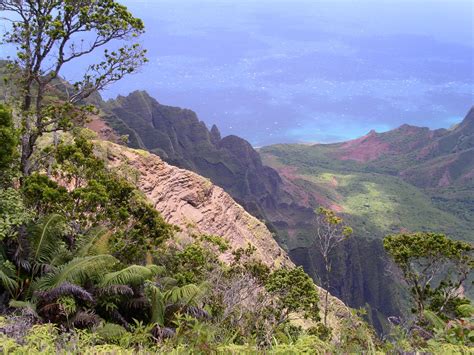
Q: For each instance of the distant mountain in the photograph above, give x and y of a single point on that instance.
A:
(421, 156)
(181, 139)
(408, 178)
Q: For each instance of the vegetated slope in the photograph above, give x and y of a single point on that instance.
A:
(198, 207)
(194, 204)
(409, 178)
(179, 138)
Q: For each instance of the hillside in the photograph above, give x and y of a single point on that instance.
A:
(409, 178)
(180, 139)
(198, 207)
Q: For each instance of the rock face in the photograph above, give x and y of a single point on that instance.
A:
(193, 203)
(188, 200)
(181, 139)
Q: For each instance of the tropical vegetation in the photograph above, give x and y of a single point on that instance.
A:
(88, 265)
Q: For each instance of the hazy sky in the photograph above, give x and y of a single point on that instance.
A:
(289, 70)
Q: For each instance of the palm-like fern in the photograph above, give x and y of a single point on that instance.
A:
(183, 297)
(158, 307)
(7, 275)
(65, 289)
(95, 242)
(77, 271)
(45, 239)
(132, 275)
(7, 279)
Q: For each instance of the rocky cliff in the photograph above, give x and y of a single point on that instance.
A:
(181, 139)
(193, 203)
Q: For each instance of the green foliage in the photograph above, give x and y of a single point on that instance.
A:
(8, 277)
(8, 139)
(221, 243)
(47, 36)
(131, 275)
(98, 198)
(45, 239)
(321, 331)
(13, 213)
(45, 195)
(433, 266)
(296, 292)
(330, 218)
(374, 199)
(77, 271)
(111, 333)
(457, 332)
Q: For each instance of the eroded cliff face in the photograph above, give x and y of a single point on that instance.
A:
(192, 202)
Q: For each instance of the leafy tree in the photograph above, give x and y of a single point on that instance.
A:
(434, 267)
(98, 198)
(50, 34)
(331, 231)
(295, 291)
(8, 139)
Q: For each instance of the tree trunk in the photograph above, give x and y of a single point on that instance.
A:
(326, 295)
(326, 310)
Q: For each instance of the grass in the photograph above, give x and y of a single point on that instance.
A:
(374, 203)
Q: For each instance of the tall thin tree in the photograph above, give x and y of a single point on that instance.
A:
(331, 231)
(50, 34)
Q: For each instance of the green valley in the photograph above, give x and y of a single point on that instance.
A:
(375, 203)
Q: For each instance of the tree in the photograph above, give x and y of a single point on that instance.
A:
(8, 139)
(295, 292)
(433, 266)
(331, 231)
(50, 34)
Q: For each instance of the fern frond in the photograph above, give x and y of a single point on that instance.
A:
(7, 279)
(161, 333)
(436, 321)
(157, 301)
(95, 242)
(77, 271)
(111, 331)
(138, 303)
(62, 257)
(85, 319)
(197, 312)
(46, 238)
(27, 307)
(132, 275)
(156, 270)
(65, 288)
(123, 290)
(184, 294)
(466, 310)
(167, 282)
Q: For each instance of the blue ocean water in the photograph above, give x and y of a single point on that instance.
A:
(314, 71)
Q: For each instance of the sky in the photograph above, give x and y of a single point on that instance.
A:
(308, 71)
